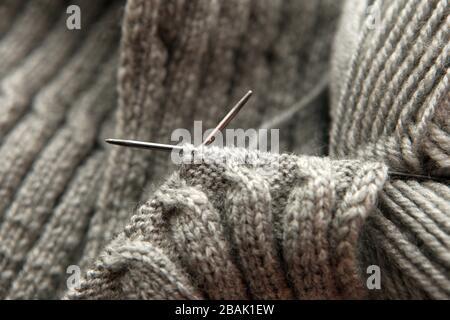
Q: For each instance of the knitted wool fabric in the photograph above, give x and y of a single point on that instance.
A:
(244, 224)
(57, 90)
(390, 103)
(62, 195)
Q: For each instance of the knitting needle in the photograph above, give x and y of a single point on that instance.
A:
(222, 124)
(144, 145)
(169, 147)
(227, 119)
(418, 176)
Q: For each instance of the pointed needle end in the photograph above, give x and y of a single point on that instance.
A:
(118, 142)
(143, 145)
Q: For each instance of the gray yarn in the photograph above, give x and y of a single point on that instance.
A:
(229, 231)
(64, 89)
(258, 225)
(179, 61)
(211, 53)
(394, 106)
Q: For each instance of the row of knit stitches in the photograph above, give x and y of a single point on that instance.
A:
(40, 275)
(52, 170)
(322, 225)
(141, 73)
(257, 42)
(49, 106)
(394, 107)
(59, 207)
(194, 59)
(410, 64)
(39, 63)
(23, 27)
(64, 89)
(212, 232)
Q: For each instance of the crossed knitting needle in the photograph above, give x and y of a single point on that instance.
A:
(222, 125)
(169, 147)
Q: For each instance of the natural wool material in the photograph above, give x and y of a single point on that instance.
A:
(57, 89)
(239, 224)
(63, 197)
(309, 227)
(390, 102)
(190, 60)
(244, 224)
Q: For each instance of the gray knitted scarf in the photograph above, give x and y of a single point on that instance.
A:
(241, 224)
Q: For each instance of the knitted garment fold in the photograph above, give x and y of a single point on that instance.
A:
(393, 106)
(243, 224)
(57, 91)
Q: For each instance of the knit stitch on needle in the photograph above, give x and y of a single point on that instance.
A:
(254, 225)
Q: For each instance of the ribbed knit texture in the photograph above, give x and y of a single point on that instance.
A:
(57, 90)
(255, 225)
(62, 196)
(392, 105)
(190, 60)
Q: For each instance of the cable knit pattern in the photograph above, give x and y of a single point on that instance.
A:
(182, 61)
(241, 224)
(393, 106)
(56, 93)
(63, 197)
(213, 231)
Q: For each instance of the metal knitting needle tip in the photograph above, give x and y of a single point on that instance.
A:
(418, 176)
(169, 147)
(143, 145)
(227, 119)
